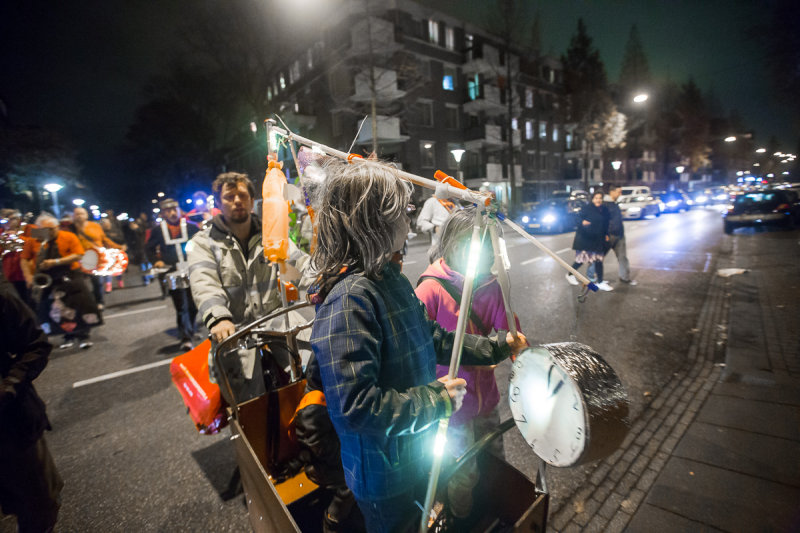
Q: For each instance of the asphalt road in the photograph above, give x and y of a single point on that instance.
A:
(132, 460)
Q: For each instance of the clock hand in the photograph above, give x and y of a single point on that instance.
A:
(555, 391)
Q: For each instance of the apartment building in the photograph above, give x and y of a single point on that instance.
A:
(433, 84)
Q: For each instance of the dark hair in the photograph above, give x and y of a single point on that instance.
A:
(234, 179)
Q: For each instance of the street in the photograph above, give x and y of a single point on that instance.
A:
(132, 460)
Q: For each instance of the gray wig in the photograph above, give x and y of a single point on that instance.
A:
(360, 205)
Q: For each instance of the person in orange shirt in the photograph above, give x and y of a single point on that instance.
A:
(66, 301)
(92, 235)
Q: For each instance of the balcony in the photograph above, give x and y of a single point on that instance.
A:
(386, 89)
(484, 97)
(489, 136)
(388, 131)
(382, 42)
(481, 59)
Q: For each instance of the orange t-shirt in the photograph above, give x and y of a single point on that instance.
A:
(66, 241)
(96, 237)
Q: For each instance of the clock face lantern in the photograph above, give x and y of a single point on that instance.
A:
(568, 403)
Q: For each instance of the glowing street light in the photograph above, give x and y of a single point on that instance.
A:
(730, 139)
(761, 150)
(78, 202)
(616, 165)
(640, 98)
(53, 189)
(161, 195)
(679, 169)
(458, 153)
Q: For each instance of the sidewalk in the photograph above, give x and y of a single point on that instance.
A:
(719, 447)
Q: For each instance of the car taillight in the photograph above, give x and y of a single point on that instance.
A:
(781, 207)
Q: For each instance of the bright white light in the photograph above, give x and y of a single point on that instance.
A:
(770, 175)
(547, 219)
(156, 210)
(679, 169)
(761, 150)
(253, 127)
(161, 195)
(199, 201)
(104, 215)
(730, 139)
(504, 254)
(53, 187)
(474, 258)
(702, 199)
(428, 146)
(457, 153)
(672, 203)
(740, 173)
(317, 150)
(779, 154)
(756, 164)
(78, 202)
(122, 216)
(785, 173)
(439, 443)
(639, 98)
(525, 219)
(94, 207)
(154, 201)
(616, 165)
(188, 200)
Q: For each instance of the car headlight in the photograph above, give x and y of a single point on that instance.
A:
(634, 209)
(547, 219)
(525, 219)
(672, 203)
(702, 199)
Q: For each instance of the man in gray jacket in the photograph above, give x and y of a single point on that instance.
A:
(231, 280)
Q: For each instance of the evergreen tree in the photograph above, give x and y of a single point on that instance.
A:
(695, 126)
(635, 72)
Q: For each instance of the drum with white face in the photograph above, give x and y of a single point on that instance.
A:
(568, 403)
(104, 261)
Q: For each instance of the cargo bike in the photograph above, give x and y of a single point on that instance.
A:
(279, 494)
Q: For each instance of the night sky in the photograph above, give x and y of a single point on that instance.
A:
(80, 67)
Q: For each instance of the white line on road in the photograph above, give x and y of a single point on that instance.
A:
(126, 313)
(113, 375)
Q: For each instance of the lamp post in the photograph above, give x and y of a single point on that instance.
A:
(53, 189)
(457, 155)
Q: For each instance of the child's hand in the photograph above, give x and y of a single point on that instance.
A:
(518, 344)
(457, 389)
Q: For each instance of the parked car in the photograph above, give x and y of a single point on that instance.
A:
(556, 216)
(767, 207)
(674, 201)
(635, 190)
(575, 194)
(638, 206)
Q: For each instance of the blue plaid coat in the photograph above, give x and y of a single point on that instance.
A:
(375, 354)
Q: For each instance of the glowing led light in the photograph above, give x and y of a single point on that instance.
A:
(504, 253)
(547, 219)
(525, 219)
(761, 150)
(730, 139)
(439, 443)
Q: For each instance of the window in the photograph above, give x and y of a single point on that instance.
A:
(528, 97)
(528, 129)
(543, 129)
(450, 38)
(568, 140)
(451, 117)
(426, 114)
(294, 72)
(514, 123)
(474, 87)
(427, 154)
(283, 82)
(449, 79)
(530, 159)
(433, 31)
(543, 161)
(269, 93)
(310, 58)
(555, 133)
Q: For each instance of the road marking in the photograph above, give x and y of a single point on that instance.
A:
(126, 313)
(537, 258)
(113, 375)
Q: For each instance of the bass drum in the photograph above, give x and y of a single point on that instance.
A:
(104, 261)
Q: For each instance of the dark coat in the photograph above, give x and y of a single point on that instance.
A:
(615, 226)
(23, 355)
(156, 250)
(592, 238)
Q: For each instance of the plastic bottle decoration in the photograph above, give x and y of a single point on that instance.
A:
(275, 214)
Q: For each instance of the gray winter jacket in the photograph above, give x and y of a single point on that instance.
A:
(226, 284)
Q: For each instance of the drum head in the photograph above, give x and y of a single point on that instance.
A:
(90, 260)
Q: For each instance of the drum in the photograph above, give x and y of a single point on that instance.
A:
(104, 261)
(176, 280)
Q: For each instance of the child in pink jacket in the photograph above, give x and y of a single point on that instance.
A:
(441, 281)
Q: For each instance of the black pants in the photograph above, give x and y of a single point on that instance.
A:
(598, 269)
(185, 311)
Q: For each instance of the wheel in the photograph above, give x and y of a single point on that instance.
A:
(728, 228)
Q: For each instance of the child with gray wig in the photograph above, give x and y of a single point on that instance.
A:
(375, 349)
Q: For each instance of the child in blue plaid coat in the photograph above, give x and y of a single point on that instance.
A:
(375, 347)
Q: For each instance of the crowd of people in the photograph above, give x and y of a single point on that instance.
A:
(376, 340)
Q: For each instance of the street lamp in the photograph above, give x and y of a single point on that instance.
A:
(53, 189)
(639, 98)
(679, 169)
(730, 139)
(457, 154)
(78, 202)
(761, 150)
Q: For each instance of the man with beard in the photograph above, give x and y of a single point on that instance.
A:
(166, 249)
(232, 282)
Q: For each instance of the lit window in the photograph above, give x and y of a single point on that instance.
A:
(543, 129)
(514, 124)
(555, 133)
(296, 107)
(528, 129)
(427, 154)
(568, 140)
(449, 79)
(450, 38)
(433, 31)
(310, 58)
(474, 88)
(283, 82)
(528, 97)
(269, 93)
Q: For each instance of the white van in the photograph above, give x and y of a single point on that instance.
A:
(635, 190)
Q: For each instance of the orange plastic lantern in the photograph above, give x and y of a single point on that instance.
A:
(275, 215)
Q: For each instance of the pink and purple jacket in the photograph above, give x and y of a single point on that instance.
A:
(487, 303)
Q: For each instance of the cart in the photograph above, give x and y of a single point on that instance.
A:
(281, 498)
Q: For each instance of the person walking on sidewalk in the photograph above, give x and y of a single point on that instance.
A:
(616, 238)
(591, 239)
